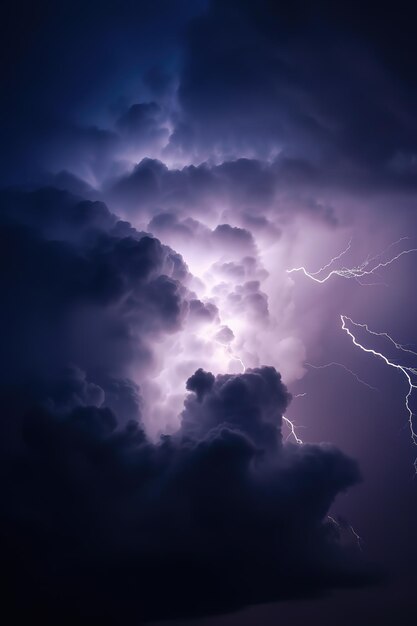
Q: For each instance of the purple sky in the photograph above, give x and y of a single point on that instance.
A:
(163, 167)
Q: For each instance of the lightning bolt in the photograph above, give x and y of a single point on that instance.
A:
(231, 354)
(291, 424)
(407, 372)
(239, 360)
(292, 432)
(368, 267)
(335, 364)
(398, 346)
(340, 526)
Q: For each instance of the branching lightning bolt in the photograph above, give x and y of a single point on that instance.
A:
(398, 346)
(335, 364)
(291, 426)
(368, 267)
(408, 372)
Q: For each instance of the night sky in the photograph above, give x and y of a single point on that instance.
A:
(208, 364)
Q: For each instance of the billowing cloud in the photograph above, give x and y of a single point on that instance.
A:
(89, 292)
(102, 517)
(285, 78)
(282, 186)
(100, 524)
(171, 163)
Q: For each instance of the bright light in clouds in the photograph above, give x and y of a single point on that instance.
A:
(244, 311)
(243, 319)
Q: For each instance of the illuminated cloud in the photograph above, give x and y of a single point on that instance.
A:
(93, 373)
(163, 166)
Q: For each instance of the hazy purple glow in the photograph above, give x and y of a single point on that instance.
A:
(208, 251)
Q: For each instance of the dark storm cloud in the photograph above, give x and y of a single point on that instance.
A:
(142, 122)
(230, 237)
(320, 81)
(64, 67)
(152, 181)
(82, 289)
(246, 186)
(100, 524)
(159, 81)
(253, 401)
(330, 88)
(169, 223)
(206, 312)
(97, 521)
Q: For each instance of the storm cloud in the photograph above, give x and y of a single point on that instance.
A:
(87, 291)
(163, 166)
(99, 521)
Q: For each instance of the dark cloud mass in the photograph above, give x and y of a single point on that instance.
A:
(98, 522)
(286, 76)
(85, 289)
(162, 166)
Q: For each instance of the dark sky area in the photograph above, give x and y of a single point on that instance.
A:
(208, 365)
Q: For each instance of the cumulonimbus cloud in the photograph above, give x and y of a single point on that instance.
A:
(98, 519)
